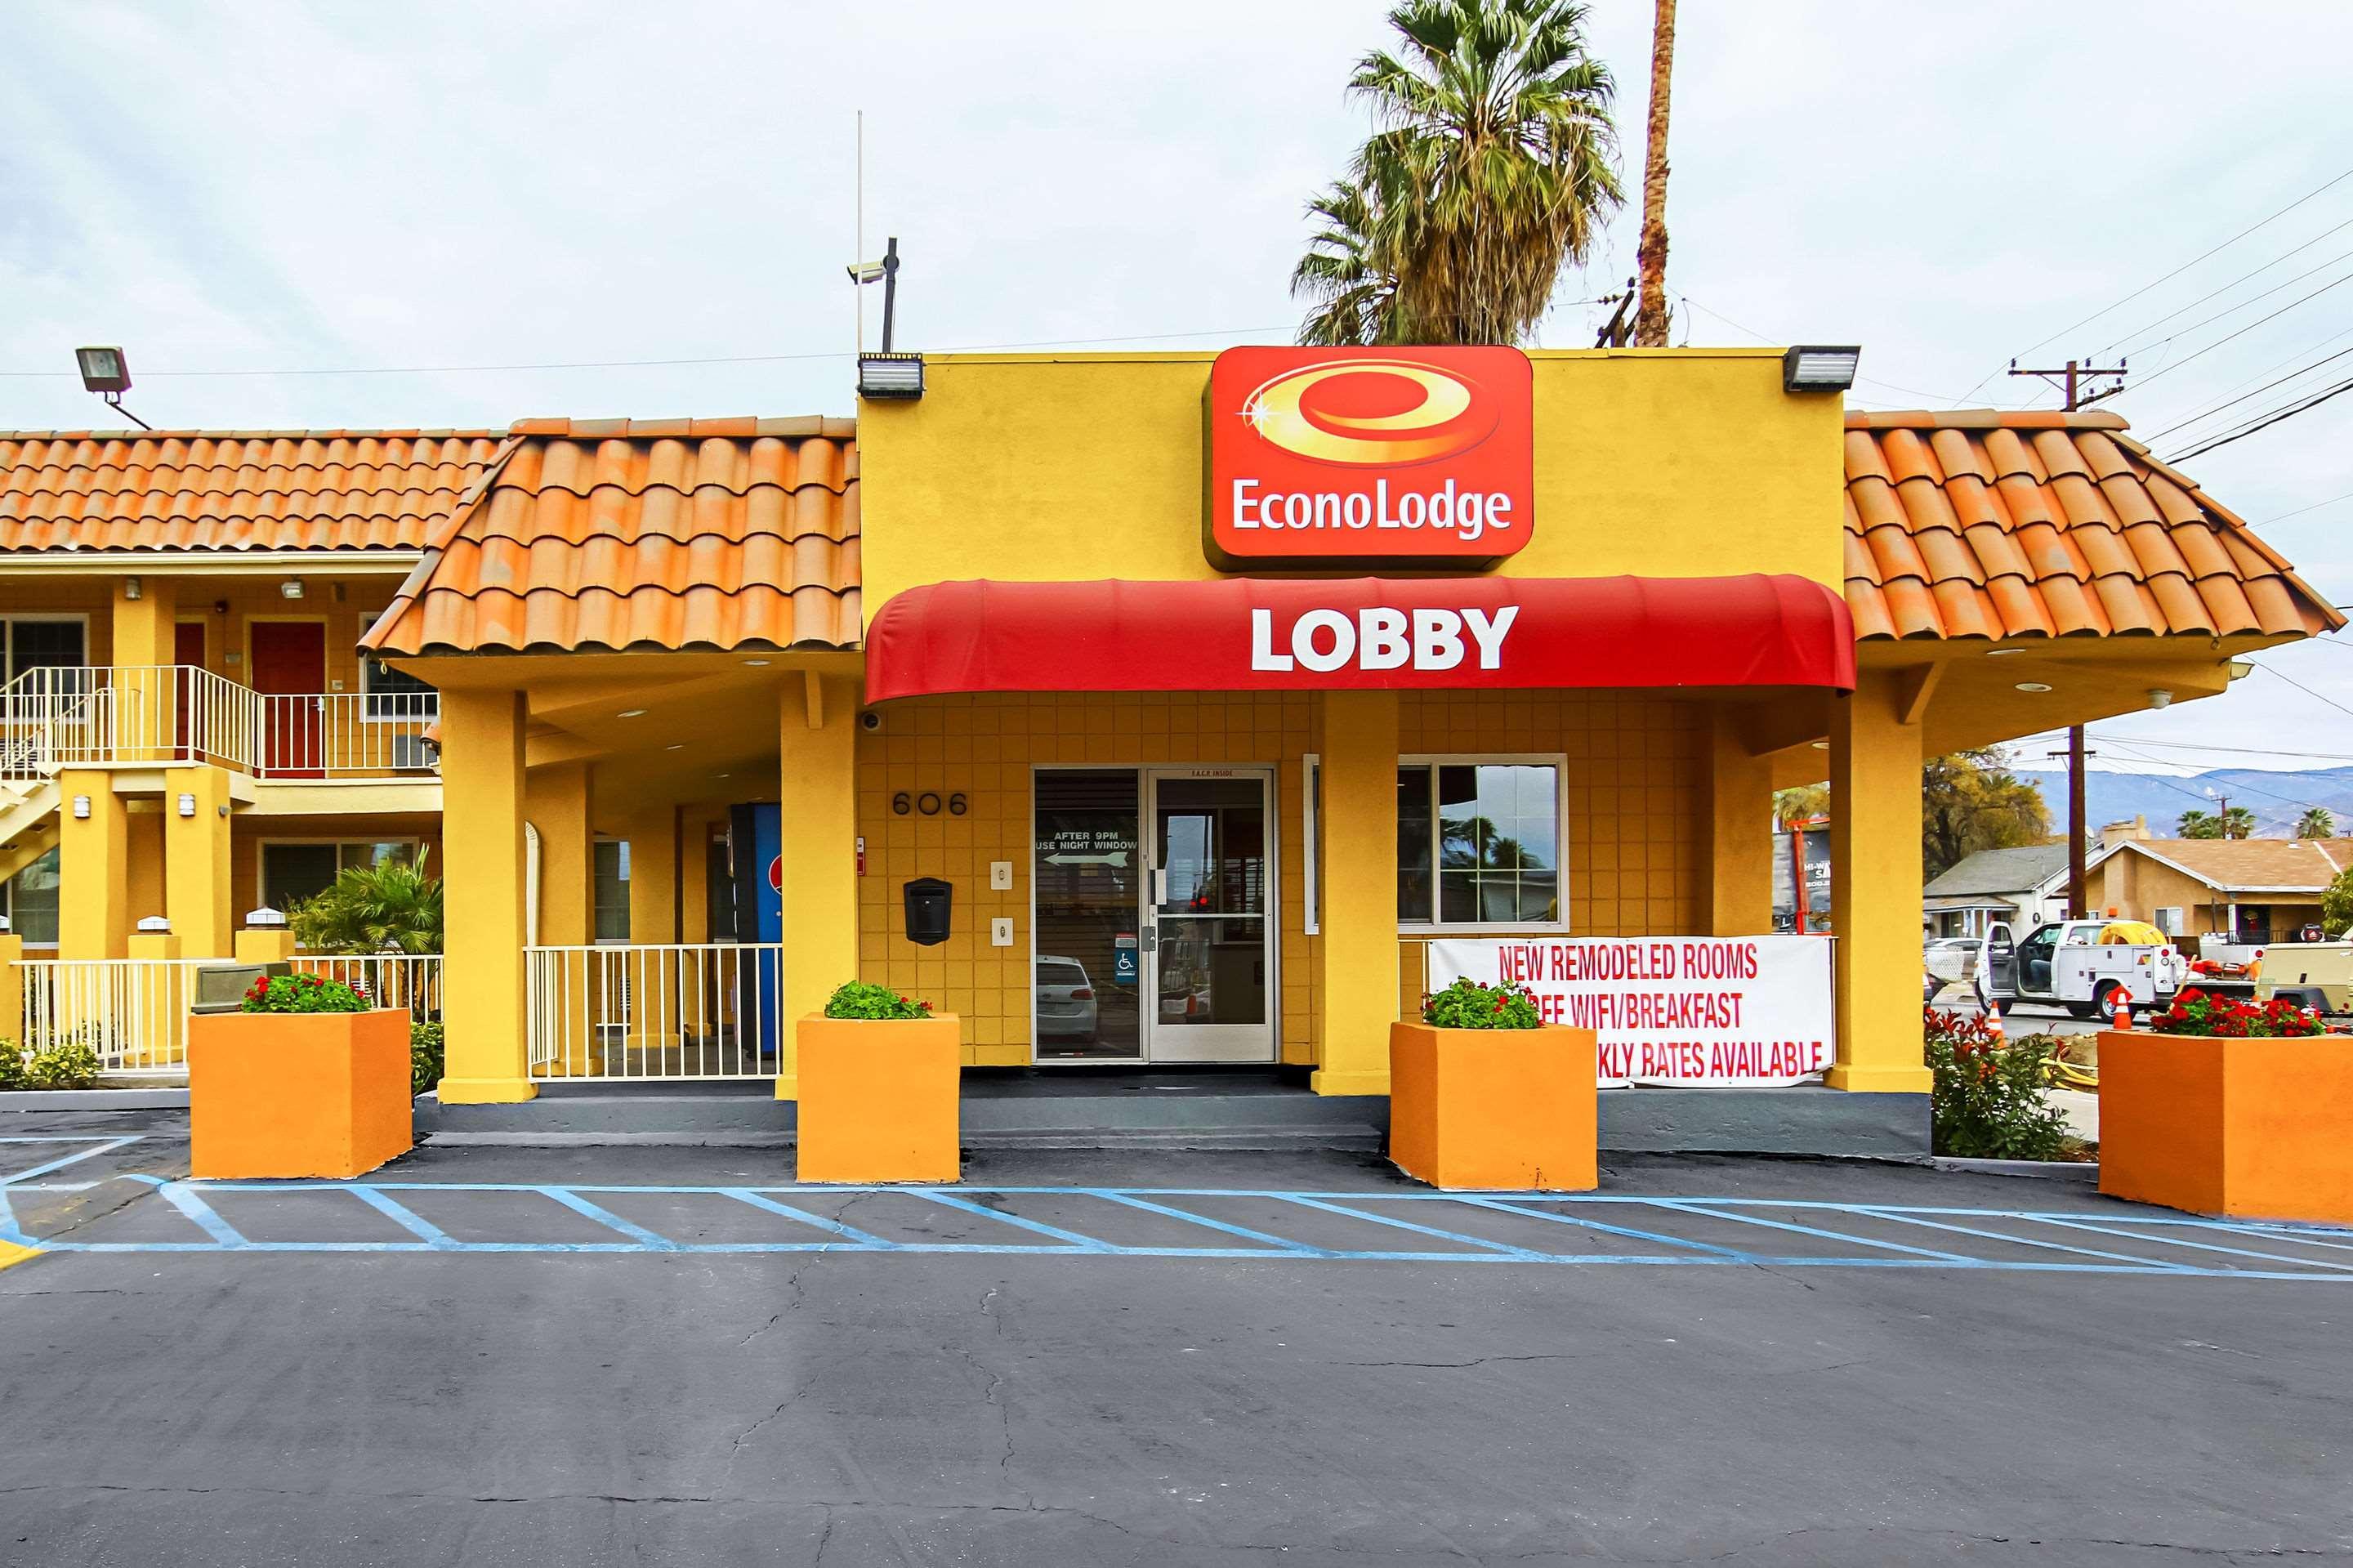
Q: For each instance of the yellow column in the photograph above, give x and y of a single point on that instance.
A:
(196, 860)
(1356, 990)
(146, 724)
(1875, 885)
(557, 800)
(818, 864)
(1740, 835)
(481, 836)
(653, 875)
(694, 875)
(12, 990)
(264, 945)
(157, 995)
(93, 867)
(143, 854)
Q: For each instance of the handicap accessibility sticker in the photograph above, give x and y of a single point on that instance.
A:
(1125, 964)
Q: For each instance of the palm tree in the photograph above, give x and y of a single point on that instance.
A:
(1353, 291)
(1492, 166)
(2231, 822)
(2316, 823)
(389, 907)
(1650, 252)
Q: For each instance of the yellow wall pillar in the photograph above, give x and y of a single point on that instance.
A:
(1356, 990)
(93, 868)
(817, 862)
(558, 799)
(264, 945)
(481, 836)
(694, 875)
(653, 875)
(143, 827)
(196, 861)
(12, 989)
(159, 999)
(145, 711)
(1740, 835)
(1875, 885)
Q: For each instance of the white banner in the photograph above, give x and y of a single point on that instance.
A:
(1723, 1012)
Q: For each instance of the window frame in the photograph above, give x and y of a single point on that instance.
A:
(1555, 760)
(621, 868)
(13, 618)
(262, 847)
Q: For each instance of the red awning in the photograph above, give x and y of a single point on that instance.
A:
(1255, 634)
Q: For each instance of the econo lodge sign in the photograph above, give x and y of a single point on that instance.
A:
(1321, 455)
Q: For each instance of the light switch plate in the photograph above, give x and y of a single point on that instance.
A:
(1000, 932)
(1001, 874)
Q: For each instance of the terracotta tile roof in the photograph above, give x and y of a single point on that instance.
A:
(670, 533)
(234, 490)
(2252, 866)
(1994, 525)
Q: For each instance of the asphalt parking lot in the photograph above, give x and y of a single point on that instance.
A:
(613, 1356)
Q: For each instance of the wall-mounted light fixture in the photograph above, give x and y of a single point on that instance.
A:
(887, 377)
(1819, 367)
(187, 804)
(265, 919)
(81, 807)
(133, 588)
(291, 588)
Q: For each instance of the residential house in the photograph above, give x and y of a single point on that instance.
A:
(2250, 892)
(2024, 887)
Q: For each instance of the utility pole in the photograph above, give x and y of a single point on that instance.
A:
(1651, 251)
(2074, 384)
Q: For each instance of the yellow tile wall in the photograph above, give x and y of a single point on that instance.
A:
(984, 747)
(1636, 850)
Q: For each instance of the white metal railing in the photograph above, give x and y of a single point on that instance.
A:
(641, 1013)
(69, 716)
(411, 980)
(132, 1012)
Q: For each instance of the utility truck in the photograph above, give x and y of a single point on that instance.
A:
(2063, 963)
(2317, 975)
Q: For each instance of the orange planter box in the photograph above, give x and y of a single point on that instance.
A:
(2260, 1128)
(1494, 1109)
(297, 1094)
(879, 1099)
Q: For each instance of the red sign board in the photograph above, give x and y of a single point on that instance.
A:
(1319, 456)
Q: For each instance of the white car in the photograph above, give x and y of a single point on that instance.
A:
(1065, 998)
(1953, 959)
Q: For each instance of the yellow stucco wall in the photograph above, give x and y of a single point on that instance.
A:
(1030, 467)
(226, 606)
(1635, 846)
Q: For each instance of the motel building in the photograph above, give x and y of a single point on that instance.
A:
(1146, 711)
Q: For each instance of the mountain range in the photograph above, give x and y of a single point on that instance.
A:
(2277, 798)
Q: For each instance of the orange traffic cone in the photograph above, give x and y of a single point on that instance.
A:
(2122, 1001)
(1993, 1023)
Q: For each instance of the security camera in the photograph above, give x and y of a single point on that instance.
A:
(869, 721)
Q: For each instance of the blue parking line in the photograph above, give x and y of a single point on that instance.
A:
(848, 1233)
(1281, 1243)
(606, 1217)
(1504, 1248)
(2004, 1236)
(185, 1198)
(1731, 1254)
(414, 1224)
(1084, 1244)
(1686, 1207)
(105, 1146)
(2202, 1246)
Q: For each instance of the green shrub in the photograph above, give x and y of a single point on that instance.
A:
(67, 1065)
(1989, 1099)
(12, 1067)
(858, 998)
(302, 993)
(1467, 1004)
(424, 1056)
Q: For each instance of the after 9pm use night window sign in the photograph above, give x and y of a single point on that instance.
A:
(1322, 456)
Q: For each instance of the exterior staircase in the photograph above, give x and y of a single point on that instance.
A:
(28, 822)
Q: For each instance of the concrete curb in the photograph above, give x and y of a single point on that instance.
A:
(93, 1099)
(2040, 1170)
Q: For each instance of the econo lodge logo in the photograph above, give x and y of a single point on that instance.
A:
(1320, 456)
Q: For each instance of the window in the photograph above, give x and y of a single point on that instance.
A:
(294, 873)
(44, 642)
(612, 878)
(32, 896)
(2169, 919)
(390, 694)
(1479, 843)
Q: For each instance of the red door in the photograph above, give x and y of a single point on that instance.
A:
(188, 654)
(290, 671)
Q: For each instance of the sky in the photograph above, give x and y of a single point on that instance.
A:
(278, 195)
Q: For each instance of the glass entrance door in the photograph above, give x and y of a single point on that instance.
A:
(1208, 927)
(1087, 883)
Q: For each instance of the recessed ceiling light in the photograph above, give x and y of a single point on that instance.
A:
(675, 746)
(633, 713)
(1999, 653)
(2033, 686)
(719, 775)
(757, 663)
(1821, 745)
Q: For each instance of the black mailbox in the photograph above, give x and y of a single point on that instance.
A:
(928, 899)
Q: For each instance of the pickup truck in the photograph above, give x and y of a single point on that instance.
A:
(2066, 964)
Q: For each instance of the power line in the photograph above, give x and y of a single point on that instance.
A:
(2301, 510)
(2201, 354)
(2231, 285)
(2145, 287)
(2338, 390)
(2307, 691)
(2102, 735)
(2200, 419)
(1775, 341)
(636, 364)
(2237, 785)
(2243, 305)
(2217, 400)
